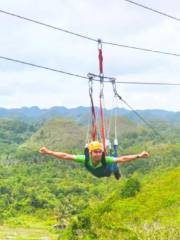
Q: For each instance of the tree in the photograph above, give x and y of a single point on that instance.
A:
(131, 187)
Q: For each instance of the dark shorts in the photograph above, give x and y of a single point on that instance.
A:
(113, 167)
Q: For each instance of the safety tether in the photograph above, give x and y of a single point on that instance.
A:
(93, 112)
(100, 56)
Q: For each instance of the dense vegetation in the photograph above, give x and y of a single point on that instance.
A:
(38, 190)
(147, 208)
(12, 134)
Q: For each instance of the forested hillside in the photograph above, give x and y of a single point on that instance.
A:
(63, 199)
(138, 208)
(82, 113)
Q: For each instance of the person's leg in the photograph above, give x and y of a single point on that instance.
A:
(116, 171)
(113, 168)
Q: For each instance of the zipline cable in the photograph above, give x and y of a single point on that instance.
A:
(153, 10)
(81, 76)
(47, 25)
(42, 67)
(149, 83)
(87, 37)
(110, 79)
(145, 121)
(141, 49)
(135, 112)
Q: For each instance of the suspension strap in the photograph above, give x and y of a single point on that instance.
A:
(102, 125)
(116, 95)
(93, 112)
(115, 137)
(100, 56)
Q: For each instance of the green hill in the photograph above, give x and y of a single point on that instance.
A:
(57, 134)
(152, 211)
(78, 113)
(13, 132)
(68, 135)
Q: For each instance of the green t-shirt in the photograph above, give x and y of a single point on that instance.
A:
(81, 159)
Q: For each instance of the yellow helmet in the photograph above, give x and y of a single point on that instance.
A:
(95, 145)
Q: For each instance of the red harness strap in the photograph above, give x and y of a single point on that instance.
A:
(100, 56)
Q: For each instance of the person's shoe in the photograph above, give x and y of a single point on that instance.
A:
(117, 175)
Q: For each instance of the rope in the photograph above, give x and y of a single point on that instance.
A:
(110, 79)
(100, 56)
(149, 83)
(81, 76)
(47, 25)
(102, 126)
(153, 10)
(87, 37)
(141, 49)
(93, 112)
(88, 130)
(108, 130)
(42, 67)
(115, 122)
(101, 96)
(135, 112)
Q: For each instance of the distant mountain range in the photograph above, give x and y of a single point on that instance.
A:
(82, 114)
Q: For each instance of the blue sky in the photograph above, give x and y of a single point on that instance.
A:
(114, 21)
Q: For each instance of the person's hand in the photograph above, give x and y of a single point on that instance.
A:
(43, 150)
(144, 154)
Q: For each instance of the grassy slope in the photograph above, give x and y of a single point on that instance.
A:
(66, 134)
(58, 134)
(154, 213)
(25, 234)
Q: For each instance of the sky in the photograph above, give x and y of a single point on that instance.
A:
(113, 21)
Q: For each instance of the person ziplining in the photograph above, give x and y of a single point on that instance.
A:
(95, 157)
(95, 160)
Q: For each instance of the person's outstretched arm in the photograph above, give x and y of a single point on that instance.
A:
(128, 158)
(60, 155)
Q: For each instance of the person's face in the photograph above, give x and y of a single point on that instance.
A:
(96, 155)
